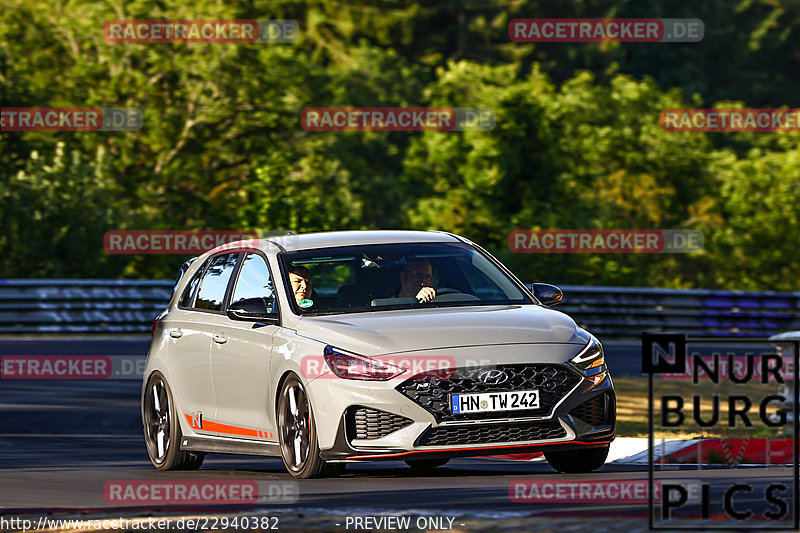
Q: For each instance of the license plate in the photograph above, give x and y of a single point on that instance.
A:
(486, 402)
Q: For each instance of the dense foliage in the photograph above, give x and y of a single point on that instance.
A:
(577, 142)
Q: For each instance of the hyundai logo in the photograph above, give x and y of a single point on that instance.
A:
(493, 377)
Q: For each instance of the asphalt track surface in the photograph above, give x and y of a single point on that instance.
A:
(61, 441)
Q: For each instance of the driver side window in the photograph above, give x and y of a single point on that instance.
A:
(255, 282)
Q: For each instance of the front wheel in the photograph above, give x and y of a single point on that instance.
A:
(578, 461)
(298, 434)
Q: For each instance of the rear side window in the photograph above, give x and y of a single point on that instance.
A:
(188, 293)
(181, 272)
(214, 283)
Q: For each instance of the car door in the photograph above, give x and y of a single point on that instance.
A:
(240, 354)
(190, 336)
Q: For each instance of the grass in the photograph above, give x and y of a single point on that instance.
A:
(632, 412)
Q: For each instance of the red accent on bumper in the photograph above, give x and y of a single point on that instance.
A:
(440, 450)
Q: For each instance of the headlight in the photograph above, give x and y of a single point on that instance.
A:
(352, 366)
(591, 362)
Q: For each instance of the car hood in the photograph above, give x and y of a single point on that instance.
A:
(386, 332)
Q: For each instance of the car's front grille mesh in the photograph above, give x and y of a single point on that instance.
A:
(432, 392)
(374, 424)
(492, 433)
(595, 411)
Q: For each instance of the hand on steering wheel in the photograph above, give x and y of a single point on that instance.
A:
(426, 294)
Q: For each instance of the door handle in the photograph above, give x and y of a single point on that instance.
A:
(220, 339)
(176, 333)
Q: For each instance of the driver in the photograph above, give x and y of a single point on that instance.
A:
(415, 281)
(300, 280)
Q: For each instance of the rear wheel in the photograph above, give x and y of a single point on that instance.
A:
(577, 461)
(424, 465)
(162, 429)
(298, 434)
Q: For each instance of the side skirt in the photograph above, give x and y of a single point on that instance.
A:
(225, 445)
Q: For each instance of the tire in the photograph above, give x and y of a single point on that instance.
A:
(577, 461)
(297, 433)
(425, 465)
(162, 428)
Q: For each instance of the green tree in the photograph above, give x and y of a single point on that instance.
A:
(54, 213)
(756, 234)
(579, 156)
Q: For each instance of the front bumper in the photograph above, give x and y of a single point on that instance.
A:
(344, 450)
(380, 420)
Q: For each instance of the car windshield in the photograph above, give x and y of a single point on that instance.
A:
(366, 278)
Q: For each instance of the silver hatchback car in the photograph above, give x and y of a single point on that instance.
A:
(331, 348)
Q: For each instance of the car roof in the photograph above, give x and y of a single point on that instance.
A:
(329, 239)
(786, 336)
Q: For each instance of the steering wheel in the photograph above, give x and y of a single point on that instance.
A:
(442, 292)
(446, 290)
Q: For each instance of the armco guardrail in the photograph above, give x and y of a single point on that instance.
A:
(627, 311)
(125, 306)
(81, 306)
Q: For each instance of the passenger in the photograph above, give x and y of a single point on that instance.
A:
(300, 280)
(415, 281)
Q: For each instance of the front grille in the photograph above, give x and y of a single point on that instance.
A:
(492, 433)
(594, 412)
(374, 424)
(433, 393)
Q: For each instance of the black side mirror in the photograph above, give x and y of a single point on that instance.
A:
(547, 294)
(251, 309)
